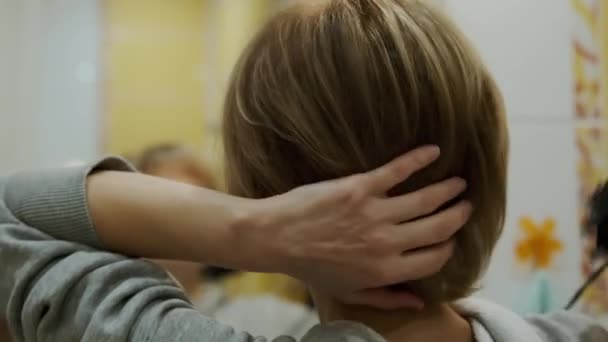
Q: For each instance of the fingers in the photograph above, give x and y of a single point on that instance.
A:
(423, 246)
(385, 299)
(433, 229)
(420, 203)
(419, 264)
(384, 178)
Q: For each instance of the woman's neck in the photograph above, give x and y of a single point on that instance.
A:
(432, 324)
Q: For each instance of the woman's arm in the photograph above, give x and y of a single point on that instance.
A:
(342, 235)
(60, 290)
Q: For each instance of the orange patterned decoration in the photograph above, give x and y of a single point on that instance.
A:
(590, 58)
(539, 244)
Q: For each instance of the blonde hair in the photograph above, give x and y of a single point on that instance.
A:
(333, 88)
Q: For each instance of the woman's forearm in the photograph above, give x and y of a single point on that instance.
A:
(151, 217)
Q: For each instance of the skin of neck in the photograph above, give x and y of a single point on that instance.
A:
(435, 323)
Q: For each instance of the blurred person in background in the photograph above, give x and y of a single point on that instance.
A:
(177, 162)
(263, 304)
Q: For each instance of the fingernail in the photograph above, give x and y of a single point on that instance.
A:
(462, 184)
(433, 150)
(468, 206)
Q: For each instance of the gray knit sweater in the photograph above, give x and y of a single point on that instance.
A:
(57, 283)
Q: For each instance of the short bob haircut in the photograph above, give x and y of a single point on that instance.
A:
(338, 87)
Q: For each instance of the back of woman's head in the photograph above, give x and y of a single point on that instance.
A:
(333, 88)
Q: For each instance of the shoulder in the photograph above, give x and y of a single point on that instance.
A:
(505, 325)
(569, 326)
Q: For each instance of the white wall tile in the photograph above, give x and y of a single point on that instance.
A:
(527, 45)
(50, 66)
(542, 183)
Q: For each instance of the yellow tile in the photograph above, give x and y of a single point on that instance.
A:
(153, 73)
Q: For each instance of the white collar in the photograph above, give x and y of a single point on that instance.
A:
(502, 324)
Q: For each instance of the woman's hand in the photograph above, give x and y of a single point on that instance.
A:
(345, 236)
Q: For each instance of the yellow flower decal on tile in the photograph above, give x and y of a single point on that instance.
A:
(539, 245)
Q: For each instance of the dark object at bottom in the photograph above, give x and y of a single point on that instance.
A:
(598, 216)
(598, 221)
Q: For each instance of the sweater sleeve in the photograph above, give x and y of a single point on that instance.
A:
(54, 201)
(57, 287)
